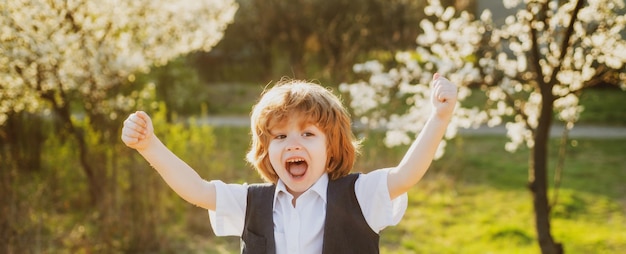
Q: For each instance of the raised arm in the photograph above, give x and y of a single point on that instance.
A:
(421, 153)
(138, 133)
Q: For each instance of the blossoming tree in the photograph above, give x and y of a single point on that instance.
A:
(56, 54)
(531, 68)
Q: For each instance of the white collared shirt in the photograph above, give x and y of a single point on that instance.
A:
(300, 229)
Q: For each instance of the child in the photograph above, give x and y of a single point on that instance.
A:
(302, 145)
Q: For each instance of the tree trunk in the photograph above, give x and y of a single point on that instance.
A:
(538, 178)
(95, 183)
(23, 134)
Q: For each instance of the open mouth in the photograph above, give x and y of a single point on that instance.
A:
(296, 167)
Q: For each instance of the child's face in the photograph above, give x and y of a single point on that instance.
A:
(297, 152)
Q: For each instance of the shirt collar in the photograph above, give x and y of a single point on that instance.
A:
(318, 187)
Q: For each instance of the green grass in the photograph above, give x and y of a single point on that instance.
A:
(475, 200)
(479, 204)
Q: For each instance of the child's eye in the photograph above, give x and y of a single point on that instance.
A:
(280, 136)
(308, 134)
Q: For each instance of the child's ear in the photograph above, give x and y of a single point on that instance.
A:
(330, 162)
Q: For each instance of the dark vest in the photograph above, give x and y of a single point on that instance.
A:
(345, 228)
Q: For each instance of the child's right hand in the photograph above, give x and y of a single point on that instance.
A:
(138, 131)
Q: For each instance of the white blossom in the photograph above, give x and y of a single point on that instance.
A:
(90, 46)
(509, 4)
(510, 80)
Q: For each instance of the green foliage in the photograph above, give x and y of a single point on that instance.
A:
(232, 98)
(603, 105)
(472, 201)
(178, 85)
(469, 202)
(49, 210)
(308, 39)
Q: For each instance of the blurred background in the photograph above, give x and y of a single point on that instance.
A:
(72, 72)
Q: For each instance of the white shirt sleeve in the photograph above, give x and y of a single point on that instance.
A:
(373, 196)
(230, 209)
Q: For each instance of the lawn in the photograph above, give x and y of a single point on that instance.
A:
(474, 199)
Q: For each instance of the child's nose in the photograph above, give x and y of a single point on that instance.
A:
(293, 144)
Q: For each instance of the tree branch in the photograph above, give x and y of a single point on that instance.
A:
(567, 35)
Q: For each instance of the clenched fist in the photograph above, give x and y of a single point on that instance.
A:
(443, 96)
(138, 132)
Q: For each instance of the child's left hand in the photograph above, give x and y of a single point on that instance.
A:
(443, 97)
